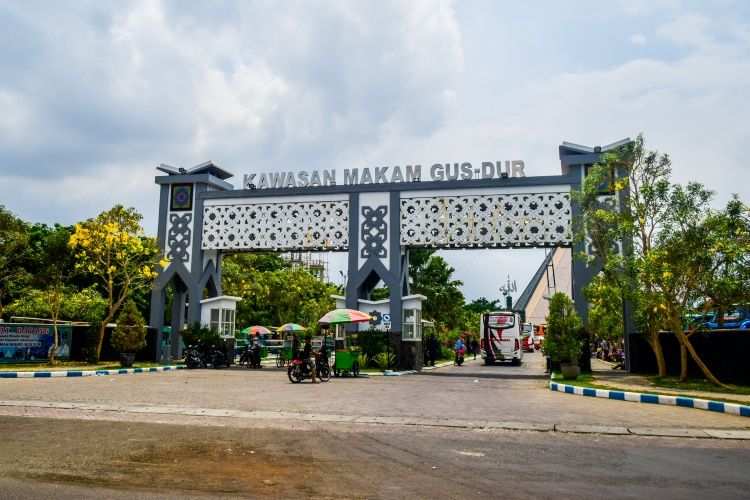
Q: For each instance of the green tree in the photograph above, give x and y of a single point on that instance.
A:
(728, 282)
(55, 261)
(113, 249)
(605, 308)
(562, 341)
(482, 304)
(444, 298)
(674, 252)
(273, 294)
(632, 210)
(13, 251)
(129, 335)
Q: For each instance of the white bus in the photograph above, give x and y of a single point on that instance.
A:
(500, 334)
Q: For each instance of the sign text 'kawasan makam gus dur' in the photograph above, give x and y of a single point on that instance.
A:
(383, 175)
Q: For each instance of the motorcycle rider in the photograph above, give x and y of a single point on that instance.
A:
(309, 357)
(459, 348)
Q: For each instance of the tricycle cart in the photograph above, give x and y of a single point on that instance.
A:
(347, 363)
(347, 360)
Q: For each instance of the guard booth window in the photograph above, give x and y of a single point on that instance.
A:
(222, 321)
(412, 327)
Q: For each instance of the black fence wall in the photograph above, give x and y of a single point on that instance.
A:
(85, 338)
(725, 352)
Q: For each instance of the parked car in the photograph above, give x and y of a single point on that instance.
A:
(745, 325)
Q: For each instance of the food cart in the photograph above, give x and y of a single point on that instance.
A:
(346, 359)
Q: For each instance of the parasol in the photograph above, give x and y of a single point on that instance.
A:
(291, 327)
(257, 329)
(342, 316)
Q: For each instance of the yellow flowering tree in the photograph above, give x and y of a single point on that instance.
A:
(113, 249)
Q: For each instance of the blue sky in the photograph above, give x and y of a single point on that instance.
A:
(94, 95)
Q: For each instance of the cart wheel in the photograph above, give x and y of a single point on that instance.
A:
(336, 372)
(355, 369)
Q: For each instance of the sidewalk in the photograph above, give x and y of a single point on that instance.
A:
(619, 379)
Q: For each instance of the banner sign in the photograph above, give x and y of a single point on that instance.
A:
(33, 343)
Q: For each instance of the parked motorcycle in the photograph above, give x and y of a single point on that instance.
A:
(297, 370)
(194, 357)
(197, 357)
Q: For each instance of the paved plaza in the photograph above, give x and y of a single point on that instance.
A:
(472, 395)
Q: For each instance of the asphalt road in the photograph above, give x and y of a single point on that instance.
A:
(240, 432)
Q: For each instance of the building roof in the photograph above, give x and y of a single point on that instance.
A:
(207, 167)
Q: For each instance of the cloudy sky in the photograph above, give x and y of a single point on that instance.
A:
(94, 94)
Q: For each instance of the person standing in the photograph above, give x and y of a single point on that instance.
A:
(432, 348)
(474, 347)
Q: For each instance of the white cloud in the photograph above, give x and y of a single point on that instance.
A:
(638, 39)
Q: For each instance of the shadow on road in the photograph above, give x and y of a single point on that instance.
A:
(487, 374)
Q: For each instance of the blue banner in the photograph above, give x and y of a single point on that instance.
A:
(33, 343)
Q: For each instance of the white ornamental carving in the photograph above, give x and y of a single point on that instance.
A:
(320, 225)
(511, 220)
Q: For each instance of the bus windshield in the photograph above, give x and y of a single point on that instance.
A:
(501, 321)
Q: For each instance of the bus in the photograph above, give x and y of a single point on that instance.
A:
(500, 334)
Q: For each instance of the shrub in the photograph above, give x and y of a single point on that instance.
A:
(562, 341)
(201, 336)
(371, 342)
(363, 360)
(130, 333)
(385, 359)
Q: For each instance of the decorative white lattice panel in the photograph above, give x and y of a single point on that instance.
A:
(319, 225)
(512, 220)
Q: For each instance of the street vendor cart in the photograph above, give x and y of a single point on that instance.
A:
(346, 359)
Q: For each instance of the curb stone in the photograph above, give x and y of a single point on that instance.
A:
(89, 373)
(659, 399)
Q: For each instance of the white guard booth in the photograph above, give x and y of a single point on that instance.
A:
(218, 314)
(401, 342)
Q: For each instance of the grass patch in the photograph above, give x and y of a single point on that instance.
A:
(587, 380)
(697, 385)
(72, 366)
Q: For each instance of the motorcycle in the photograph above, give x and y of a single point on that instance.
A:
(251, 356)
(459, 357)
(218, 358)
(297, 370)
(194, 357)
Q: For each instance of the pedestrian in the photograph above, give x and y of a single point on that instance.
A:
(474, 347)
(432, 348)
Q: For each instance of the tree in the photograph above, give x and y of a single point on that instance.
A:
(632, 208)
(562, 341)
(129, 335)
(729, 280)
(671, 247)
(113, 249)
(13, 251)
(54, 261)
(444, 298)
(481, 305)
(605, 308)
(273, 294)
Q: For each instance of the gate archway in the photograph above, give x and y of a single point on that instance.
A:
(376, 218)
